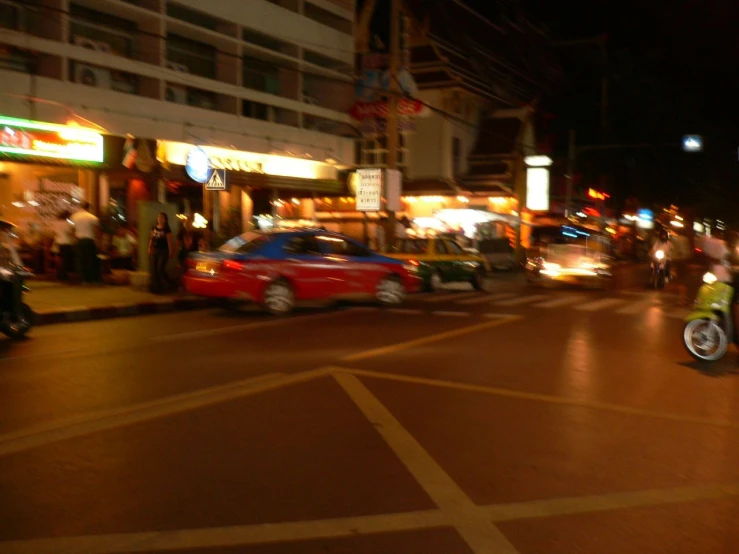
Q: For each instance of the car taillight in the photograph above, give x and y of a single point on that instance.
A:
(414, 262)
(233, 265)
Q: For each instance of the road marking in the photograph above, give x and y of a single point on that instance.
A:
(548, 399)
(487, 298)
(613, 501)
(521, 300)
(109, 419)
(452, 314)
(404, 311)
(253, 325)
(600, 304)
(564, 300)
(499, 316)
(435, 299)
(393, 348)
(294, 531)
(480, 534)
(638, 307)
(237, 535)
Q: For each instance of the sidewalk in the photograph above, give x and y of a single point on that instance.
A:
(55, 302)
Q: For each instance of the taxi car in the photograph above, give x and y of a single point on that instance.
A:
(279, 269)
(440, 260)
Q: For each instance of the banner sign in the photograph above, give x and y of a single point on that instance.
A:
(381, 108)
(369, 190)
(49, 140)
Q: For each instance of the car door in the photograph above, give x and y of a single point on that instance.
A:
(441, 261)
(461, 266)
(353, 271)
(306, 266)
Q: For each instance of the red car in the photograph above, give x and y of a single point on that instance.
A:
(278, 269)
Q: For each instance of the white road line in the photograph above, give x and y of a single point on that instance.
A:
(521, 300)
(600, 304)
(435, 299)
(452, 314)
(90, 423)
(223, 537)
(481, 535)
(253, 325)
(638, 307)
(486, 298)
(297, 531)
(563, 300)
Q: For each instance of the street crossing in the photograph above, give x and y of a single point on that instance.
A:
(628, 303)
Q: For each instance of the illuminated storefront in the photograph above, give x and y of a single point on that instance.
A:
(45, 169)
(259, 187)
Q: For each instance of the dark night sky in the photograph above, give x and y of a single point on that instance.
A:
(673, 70)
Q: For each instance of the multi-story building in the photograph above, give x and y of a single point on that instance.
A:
(263, 87)
(463, 158)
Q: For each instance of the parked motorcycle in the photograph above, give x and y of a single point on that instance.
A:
(16, 317)
(710, 326)
(659, 274)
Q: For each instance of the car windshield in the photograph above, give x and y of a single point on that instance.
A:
(243, 244)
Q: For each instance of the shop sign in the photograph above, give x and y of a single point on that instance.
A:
(197, 165)
(216, 181)
(369, 190)
(199, 161)
(381, 109)
(393, 187)
(48, 140)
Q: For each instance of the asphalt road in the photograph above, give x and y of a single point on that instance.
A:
(515, 421)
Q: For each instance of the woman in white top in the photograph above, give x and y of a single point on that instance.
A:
(63, 243)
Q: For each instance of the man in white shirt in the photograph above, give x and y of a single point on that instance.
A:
(86, 228)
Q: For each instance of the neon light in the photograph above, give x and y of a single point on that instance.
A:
(597, 195)
(49, 140)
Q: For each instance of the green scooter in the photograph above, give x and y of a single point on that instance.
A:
(710, 326)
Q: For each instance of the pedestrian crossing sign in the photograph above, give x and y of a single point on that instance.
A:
(216, 181)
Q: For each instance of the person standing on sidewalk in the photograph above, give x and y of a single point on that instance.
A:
(161, 249)
(86, 227)
(63, 245)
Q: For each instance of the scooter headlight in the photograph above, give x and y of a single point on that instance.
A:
(659, 254)
(709, 278)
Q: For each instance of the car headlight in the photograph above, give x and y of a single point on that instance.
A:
(709, 278)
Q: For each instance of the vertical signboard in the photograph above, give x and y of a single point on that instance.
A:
(537, 189)
(369, 190)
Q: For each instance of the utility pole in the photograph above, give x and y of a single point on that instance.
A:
(571, 155)
(392, 117)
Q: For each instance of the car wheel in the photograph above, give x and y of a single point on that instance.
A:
(390, 291)
(436, 282)
(279, 298)
(18, 328)
(478, 280)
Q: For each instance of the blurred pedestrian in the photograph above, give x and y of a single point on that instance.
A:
(63, 245)
(86, 229)
(124, 248)
(161, 249)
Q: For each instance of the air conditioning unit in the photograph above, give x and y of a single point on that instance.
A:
(91, 76)
(177, 67)
(176, 94)
(90, 44)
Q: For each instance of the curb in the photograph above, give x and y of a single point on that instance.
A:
(74, 315)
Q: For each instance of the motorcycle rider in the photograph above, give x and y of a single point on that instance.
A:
(663, 243)
(11, 290)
